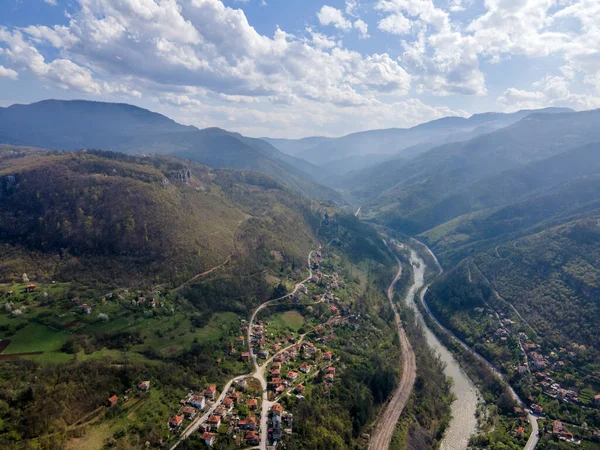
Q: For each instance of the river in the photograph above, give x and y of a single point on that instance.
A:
(464, 422)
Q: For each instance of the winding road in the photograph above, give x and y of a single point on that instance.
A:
(259, 374)
(382, 436)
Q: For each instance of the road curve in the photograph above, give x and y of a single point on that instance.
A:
(382, 436)
(258, 374)
(259, 371)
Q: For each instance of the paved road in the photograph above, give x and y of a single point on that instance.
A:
(259, 373)
(199, 420)
(382, 436)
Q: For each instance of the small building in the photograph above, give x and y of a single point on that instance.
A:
(10, 293)
(246, 356)
(292, 375)
(536, 409)
(208, 438)
(252, 438)
(277, 409)
(175, 421)
(30, 288)
(597, 400)
(144, 386)
(247, 424)
(210, 391)
(299, 389)
(327, 356)
(189, 412)
(252, 404)
(197, 401)
(519, 432)
(214, 422)
(112, 401)
(240, 340)
(304, 368)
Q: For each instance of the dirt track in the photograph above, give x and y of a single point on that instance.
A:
(382, 436)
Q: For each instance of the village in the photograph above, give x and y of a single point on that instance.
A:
(290, 363)
(544, 372)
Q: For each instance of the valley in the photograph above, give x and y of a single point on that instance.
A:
(195, 287)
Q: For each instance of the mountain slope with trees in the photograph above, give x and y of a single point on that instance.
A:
(78, 124)
(138, 216)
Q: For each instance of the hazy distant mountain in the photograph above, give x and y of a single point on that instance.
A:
(370, 147)
(296, 147)
(417, 194)
(72, 125)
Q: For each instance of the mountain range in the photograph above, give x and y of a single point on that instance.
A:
(358, 150)
(74, 125)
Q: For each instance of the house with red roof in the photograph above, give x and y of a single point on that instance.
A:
(176, 421)
(208, 438)
(112, 401)
(210, 391)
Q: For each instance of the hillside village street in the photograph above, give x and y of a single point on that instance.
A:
(259, 374)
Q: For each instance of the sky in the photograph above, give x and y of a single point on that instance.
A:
(295, 68)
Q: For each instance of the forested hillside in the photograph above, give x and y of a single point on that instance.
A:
(414, 195)
(134, 220)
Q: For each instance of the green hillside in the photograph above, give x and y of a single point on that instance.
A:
(114, 218)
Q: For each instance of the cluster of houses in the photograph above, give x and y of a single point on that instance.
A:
(29, 289)
(306, 352)
(555, 390)
(190, 406)
(257, 341)
(560, 431)
(226, 412)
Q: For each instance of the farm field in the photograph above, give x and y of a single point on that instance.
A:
(35, 337)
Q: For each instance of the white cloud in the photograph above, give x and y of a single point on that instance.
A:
(321, 41)
(351, 7)
(51, 2)
(332, 16)
(362, 27)
(551, 90)
(179, 100)
(63, 72)
(395, 23)
(203, 44)
(8, 73)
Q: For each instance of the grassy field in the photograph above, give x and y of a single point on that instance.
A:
(284, 322)
(36, 338)
(176, 333)
(293, 320)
